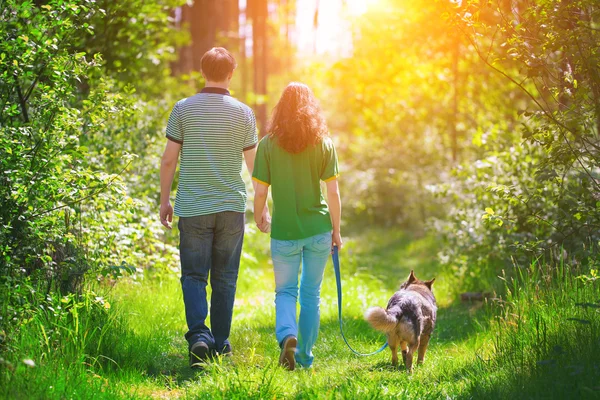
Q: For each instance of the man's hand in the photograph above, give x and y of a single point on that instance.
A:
(336, 240)
(166, 215)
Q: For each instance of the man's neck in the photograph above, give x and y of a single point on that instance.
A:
(222, 85)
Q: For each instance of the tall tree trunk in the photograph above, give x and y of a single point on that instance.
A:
(315, 27)
(259, 12)
(203, 29)
(455, 83)
(228, 24)
(186, 64)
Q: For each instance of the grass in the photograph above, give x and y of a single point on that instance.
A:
(535, 343)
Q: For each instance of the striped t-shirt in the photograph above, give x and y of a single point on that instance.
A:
(213, 129)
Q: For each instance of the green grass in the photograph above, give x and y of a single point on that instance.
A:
(523, 347)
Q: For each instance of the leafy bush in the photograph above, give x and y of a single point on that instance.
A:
(47, 176)
(537, 193)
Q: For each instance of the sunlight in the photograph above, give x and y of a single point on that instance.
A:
(357, 7)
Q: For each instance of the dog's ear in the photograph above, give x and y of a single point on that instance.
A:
(429, 283)
(412, 278)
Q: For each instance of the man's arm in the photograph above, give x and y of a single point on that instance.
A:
(249, 156)
(335, 210)
(168, 166)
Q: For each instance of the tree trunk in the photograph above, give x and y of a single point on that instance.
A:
(185, 64)
(259, 12)
(455, 83)
(203, 29)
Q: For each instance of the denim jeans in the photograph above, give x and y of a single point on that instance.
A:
(210, 245)
(287, 255)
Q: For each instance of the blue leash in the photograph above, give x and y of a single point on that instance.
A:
(336, 267)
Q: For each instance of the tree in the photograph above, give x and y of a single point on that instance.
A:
(541, 190)
(258, 13)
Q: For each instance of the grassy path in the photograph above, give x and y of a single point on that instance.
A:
(371, 272)
(541, 342)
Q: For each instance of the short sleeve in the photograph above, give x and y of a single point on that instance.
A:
(330, 162)
(251, 138)
(262, 170)
(174, 128)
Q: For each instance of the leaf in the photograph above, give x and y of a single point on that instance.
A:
(489, 211)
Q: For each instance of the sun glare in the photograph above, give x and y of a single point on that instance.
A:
(357, 7)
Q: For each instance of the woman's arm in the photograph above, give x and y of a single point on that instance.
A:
(335, 210)
(260, 206)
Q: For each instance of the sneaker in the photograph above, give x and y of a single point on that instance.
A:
(199, 353)
(288, 351)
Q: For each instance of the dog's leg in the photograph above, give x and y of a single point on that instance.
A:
(409, 360)
(409, 356)
(404, 351)
(423, 348)
(393, 343)
(394, 350)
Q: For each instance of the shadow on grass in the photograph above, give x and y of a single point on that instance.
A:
(566, 374)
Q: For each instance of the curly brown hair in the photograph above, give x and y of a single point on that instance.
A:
(297, 120)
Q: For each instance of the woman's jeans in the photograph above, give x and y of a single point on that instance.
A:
(313, 253)
(210, 245)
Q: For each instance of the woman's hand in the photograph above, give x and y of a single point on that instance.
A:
(264, 221)
(336, 240)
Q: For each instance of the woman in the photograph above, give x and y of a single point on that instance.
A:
(293, 159)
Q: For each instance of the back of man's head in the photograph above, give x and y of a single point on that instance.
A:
(217, 64)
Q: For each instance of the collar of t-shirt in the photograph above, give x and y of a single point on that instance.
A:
(216, 90)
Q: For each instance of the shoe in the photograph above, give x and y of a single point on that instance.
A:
(199, 353)
(226, 351)
(287, 358)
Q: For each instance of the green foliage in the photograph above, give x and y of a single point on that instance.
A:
(136, 42)
(47, 175)
(407, 102)
(546, 334)
(543, 185)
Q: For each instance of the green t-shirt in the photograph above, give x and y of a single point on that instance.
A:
(299, 209)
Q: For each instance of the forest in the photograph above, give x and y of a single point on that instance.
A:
(468, 138)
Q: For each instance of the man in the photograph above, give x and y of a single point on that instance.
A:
(211, 130)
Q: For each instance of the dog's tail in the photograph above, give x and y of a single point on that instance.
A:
(380, 319)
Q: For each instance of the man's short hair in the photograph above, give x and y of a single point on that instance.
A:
(217, 64)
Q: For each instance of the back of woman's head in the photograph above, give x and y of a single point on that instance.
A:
(297, 121)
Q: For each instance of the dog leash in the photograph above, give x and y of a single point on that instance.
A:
(336, 267)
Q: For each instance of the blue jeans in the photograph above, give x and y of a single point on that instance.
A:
(287, 255)
(210, 244)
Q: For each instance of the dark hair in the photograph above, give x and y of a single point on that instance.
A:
(297, 120)
(217, 64)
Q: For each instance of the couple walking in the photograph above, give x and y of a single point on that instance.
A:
(211, 133)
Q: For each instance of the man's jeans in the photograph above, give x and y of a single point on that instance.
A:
(210, 243)
(287, 255)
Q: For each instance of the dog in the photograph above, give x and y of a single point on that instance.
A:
(408, 320)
